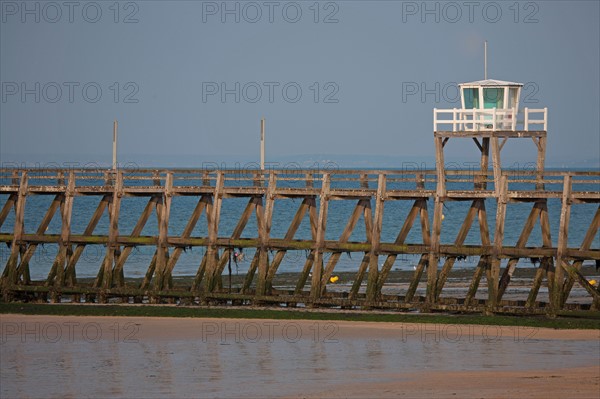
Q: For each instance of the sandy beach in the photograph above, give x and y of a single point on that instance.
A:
(171, 357)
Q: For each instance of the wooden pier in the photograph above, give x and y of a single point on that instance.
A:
(560, 266)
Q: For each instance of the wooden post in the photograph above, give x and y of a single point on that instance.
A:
(163, 211)
(113, 231)
(372, 281)
(264, 221)
(10, 272)
(315, 289)
(496, 164)
(563, 236)
(541, 160)
(64, 247)
(213, 215)
(494, 275)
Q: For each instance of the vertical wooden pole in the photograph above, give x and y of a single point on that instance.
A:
(64, 247)
(317, 270)
(563, 236)
(264, 230)
(376, 239)
(113, 231)
(494, 275)
(213, 215)
(541, 160)
(434, 248)
(10, 272)
(496, 164)
(163, 210)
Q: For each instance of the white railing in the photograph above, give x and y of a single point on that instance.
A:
(475, 120)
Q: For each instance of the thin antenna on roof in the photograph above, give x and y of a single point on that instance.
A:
(114, 160)
(485, 60)
(262, 144)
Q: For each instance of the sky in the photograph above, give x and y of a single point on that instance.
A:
(351, 82)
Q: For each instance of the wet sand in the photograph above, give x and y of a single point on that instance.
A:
(69, 356)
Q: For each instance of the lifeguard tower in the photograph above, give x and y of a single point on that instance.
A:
(490, 114)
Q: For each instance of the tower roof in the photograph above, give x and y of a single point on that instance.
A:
(491, 83)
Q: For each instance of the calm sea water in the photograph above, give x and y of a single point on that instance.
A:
(339, 212)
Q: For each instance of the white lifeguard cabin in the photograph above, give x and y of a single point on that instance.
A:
(490, 115)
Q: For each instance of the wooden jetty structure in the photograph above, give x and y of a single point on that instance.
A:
(312, 192)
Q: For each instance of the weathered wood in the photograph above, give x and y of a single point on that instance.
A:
(424, 260)
(63, 282)
(494, 274)
(137, 230)
(163, 211)
(521, 242)
(317, 270)
(563, 235)
(546, 265)
(460, 239)
(264, 221)
(8, 205)
(289, 235)
(106, 278)
(585, 245)
(213, 215)
(373, 277)
(406, 227)
(10, 271)
(333, 259)
(23, 268)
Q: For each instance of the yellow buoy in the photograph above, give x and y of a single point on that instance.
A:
(593, 282)
(333, 279)
(443, 216)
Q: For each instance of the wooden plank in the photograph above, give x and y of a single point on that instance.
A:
(540, 162)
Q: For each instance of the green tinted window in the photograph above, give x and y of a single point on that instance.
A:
(471, 97)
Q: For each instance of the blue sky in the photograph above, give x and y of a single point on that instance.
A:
(189, 81)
